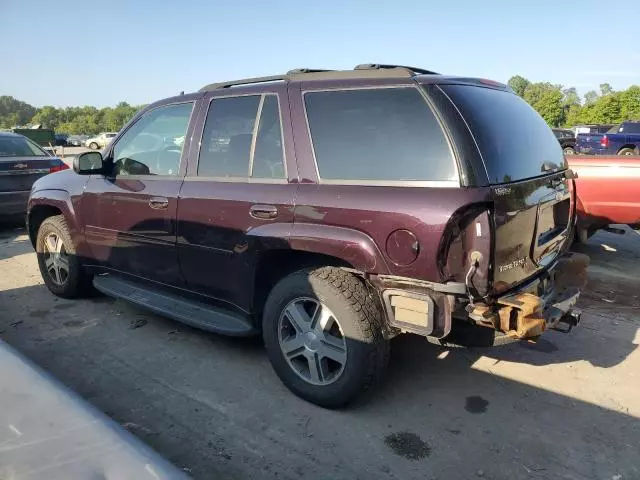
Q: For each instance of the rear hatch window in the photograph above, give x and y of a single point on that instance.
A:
(514, 141)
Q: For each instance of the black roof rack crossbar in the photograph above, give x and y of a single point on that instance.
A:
(378, 66)
(242, 81)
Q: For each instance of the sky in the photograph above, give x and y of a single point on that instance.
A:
(87, 52)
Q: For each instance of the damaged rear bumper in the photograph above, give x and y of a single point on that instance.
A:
(547, 302)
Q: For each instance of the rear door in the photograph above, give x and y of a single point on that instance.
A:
(131, 211)
(237, 198)
(527, 174)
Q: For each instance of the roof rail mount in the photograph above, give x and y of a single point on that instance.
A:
(379, 66)
(242, 81)
(296, 71)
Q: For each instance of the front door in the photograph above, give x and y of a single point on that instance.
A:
(131, 211)
(236, 200)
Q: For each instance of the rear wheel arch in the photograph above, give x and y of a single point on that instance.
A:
(274, 265)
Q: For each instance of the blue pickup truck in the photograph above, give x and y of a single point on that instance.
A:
(623, 139)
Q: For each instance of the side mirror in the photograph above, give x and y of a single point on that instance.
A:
(88, 163)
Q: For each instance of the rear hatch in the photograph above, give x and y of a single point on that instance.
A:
(527, 175)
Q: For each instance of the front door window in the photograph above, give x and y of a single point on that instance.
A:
(153, 145)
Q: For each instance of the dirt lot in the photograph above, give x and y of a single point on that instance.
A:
(564, 408)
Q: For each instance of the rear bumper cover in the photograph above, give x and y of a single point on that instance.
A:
(13, 203)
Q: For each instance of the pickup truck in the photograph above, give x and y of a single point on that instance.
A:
(607, 192)
(623, 139)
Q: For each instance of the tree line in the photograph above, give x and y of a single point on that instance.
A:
(563, 107)
(71, 120)
(559, 106)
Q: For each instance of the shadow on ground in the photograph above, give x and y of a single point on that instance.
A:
(213, 405)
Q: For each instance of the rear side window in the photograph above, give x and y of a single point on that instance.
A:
(387, 134)
(515, 142)
(242, 138)
(631, 127)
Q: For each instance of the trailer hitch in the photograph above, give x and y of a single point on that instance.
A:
(571, 319)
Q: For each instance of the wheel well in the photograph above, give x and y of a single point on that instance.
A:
(37, 215)
(274, 265)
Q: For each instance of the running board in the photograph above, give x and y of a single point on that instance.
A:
(190, 312)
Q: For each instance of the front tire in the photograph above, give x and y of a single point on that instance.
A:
(569, 151)
(60, 267)
(323, 335)
(93, 146)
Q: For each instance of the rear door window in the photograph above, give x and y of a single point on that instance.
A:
(243, 138)
(514, 140)
(378, 135)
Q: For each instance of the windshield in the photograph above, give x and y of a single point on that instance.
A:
(514, 140)
(11, 146)
(614, 129)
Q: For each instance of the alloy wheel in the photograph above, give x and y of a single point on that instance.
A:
(312, 341)
(56, 260)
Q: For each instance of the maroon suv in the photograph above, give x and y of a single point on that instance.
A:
(329, 211)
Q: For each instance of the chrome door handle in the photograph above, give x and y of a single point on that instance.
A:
(159, 203)
(263, 212)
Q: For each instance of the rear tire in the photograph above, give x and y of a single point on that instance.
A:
(627, 151)
(568, 151)
(293, 350)
(59, 265)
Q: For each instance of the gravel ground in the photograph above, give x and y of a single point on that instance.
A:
(564, 408)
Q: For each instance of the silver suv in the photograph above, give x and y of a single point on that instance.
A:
(100, 140)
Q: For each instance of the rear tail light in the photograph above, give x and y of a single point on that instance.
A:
(58, 168)
(604, 143)
(466, 247)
